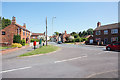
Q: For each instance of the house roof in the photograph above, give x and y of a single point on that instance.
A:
(109, 26)
(37, 34)
(22, 27)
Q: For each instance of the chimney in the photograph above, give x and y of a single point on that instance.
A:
(65, 32)
(98, 24)
(13, 20)
(44, 33)
(24, 25)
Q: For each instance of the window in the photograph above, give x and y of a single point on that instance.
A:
(26, 33)
(114, 39)
(3, 32)
(33, 37)
(98, 32)
(105, 31)
(23, 33)
(114, 31)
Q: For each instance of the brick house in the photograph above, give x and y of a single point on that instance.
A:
(106, 33)
(14, 29)
(37, 35)
(64, 36)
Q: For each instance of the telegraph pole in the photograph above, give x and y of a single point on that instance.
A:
(46, 30)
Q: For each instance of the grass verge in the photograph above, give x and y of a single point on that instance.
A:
(1, 48)
(42, 50)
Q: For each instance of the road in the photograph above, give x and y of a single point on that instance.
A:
(71, 61)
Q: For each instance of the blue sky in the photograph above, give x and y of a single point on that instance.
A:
(70, 16)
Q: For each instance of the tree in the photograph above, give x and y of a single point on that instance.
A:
(56, 33)
(16, 39)
(80, 33)
(5, 22)
(73, 33)
(84, 33)
(90, 31)
(76, 36)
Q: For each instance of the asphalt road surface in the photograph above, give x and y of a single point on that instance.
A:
(71, 61)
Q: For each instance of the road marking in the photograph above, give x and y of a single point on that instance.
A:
(14, 70)
(70, 59)
(90, 76)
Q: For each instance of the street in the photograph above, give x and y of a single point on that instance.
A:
(71, 61)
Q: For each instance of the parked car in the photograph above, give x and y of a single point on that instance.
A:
(59, 42)
(113, 46)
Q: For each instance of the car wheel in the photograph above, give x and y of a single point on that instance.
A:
(108, 49)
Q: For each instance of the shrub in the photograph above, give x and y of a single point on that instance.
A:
(77, 40)
(23, 42)
(73, 40)
(16, 45)
(76, 36)
(16, 39)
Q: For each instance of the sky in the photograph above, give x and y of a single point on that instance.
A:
(70, 16)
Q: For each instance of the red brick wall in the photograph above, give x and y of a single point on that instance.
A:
(10, 31)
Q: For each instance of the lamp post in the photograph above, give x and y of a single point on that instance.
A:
(46, 30)
(52, 25)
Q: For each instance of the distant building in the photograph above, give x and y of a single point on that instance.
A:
(37, 35)
(13, 29)
(106, 33)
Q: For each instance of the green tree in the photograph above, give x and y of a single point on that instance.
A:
(80, 33)
(5, 22)
(76, 36)
(56, 33)
(84, 33)
(73, 33)
(90, 31)
(16, 39)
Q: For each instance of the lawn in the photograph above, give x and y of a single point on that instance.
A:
(42, 50)
(4, 47)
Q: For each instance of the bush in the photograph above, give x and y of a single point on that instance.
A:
(23, 42)
(77, 40)
(84, 39)
(32, 40)
(16, 39)
(76, 36)
(16, 45)
(73, 40)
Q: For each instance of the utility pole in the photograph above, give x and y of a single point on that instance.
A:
(46, 30)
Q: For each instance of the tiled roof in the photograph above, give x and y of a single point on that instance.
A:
(21, 27)
(36, 34)
(109, 26)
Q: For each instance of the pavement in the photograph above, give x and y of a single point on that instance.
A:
(72, 61)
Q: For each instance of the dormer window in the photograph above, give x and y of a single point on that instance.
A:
(3, 32)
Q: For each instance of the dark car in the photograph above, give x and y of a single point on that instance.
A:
(59, 42)
(113, 46)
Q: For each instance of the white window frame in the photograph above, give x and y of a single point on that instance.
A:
(105, 31)
(98, 32)
(114, 31)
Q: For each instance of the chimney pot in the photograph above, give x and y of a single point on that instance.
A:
(98, 24)
(13, 20)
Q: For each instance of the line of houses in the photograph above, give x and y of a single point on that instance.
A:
(103, 34)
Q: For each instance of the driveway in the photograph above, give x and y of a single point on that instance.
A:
(69, 62)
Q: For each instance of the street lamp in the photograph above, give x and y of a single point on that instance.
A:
(52, 25)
